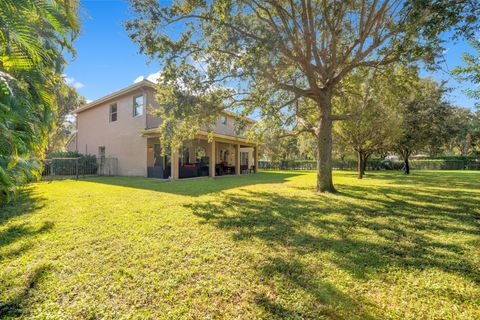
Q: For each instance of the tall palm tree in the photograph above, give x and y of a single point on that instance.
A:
(34, 35)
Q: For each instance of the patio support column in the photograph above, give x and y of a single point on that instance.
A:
(213, 159)
(237, 159)
(255, 158)
(174, 165)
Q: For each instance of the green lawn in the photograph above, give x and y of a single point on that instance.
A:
(258, 246)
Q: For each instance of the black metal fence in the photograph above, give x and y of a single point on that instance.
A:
(67, 168)
(312, 165)
(372, 165)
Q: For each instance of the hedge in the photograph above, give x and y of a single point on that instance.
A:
(87, 164)
(374, 164)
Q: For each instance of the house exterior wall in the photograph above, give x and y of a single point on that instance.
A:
(154, 122)
(228, 129)
(121, 138)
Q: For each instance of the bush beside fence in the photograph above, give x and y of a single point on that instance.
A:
(73, 164)
(312, 165)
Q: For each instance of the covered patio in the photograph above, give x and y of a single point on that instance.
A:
(231, 156)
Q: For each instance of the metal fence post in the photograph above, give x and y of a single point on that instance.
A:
(76, 168)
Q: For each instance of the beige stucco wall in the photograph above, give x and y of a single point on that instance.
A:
(152, 121)
(228, 129)
(122, 138)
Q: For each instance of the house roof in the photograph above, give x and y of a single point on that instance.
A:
(133, 87)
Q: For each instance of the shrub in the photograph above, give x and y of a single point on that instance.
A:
(87, 164)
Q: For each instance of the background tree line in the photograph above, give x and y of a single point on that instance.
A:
(394, 112)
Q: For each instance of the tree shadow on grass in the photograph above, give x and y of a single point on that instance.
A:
(25, 203)
(361, 233)
(15, 305)
(425, 178)
(196, 187)
(329, 301)
(19, 231)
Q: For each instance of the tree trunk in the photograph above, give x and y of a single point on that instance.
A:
(365, 159)
(465, 147)
(360, 164)
(324, 140)
(407, 164)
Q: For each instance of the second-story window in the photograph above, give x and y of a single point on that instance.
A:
(138, 106)
(223, 120)
(113, 112)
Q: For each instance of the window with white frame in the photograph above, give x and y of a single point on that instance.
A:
(113, 112)
(137, 106)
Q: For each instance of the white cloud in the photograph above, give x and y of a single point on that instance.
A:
(88, 100)
(138, 79)
(153, 77)
(72, 82)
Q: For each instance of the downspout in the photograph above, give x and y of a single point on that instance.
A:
(76, 133)
(145, 99)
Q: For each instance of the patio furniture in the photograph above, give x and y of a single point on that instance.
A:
(223, 169)
(188, 171)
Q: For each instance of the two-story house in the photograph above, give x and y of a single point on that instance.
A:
(119, 126)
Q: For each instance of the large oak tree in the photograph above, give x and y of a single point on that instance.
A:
(425, 115)
(282, 60)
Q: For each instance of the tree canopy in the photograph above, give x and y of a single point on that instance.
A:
(67, 99)
(470, 71)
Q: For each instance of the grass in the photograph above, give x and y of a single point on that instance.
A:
(258, 246)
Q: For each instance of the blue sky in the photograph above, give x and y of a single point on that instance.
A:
(108, 60)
